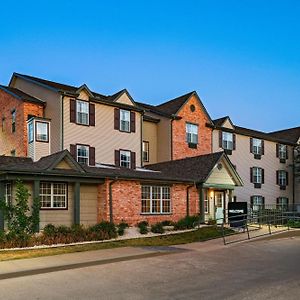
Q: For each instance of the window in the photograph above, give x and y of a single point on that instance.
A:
(257, 146)
(282, 203)
(124, 120)
(30, 132)
(156, 199)
(42, 130)
(282, 178)
(257, 202)
(13, 121)
(125, 158)
(145, 151)
(206, 202)
(257, 175)
(282, 151)
(227, 140)
(8, 193)
(83, 154)
(53, 195)
(82, 112)
(191, 133)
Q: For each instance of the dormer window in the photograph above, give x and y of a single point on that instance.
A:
(82, 112)
(124, 120)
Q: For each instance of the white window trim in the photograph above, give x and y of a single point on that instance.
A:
(47, 131)
(226, 142)
(88, 154)
(30, 129)
(257, 146)
(125, 152)
(87, 113)
(258, 174)
(160, 200)
(52, 196)
(191, 134)
(282, 178)
(147, 145)
(121, 127)
(282, 153)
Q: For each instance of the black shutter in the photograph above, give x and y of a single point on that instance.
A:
(287, 152)
(233, 138)
(277, 177)
(251, 174)
(251, 200)
(277, 200)
(132, 121)
(277, 150)
(73, 111)
(117, 158)
(287, 177)
(220, 139)
(92, 114)
(117, 119)
(251, 145)
(262, 147)
(263, 200)
(73, 151)
(132, 159)
(262, 176)
(92, 156)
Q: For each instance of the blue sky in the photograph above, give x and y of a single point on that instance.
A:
(242, 57)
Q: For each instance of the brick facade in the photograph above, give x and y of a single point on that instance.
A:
(180, 148)
(126, 197)
(15, 140)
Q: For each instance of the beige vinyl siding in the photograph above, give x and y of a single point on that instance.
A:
(227, 124)
(124, 99)
(150, 135)
(83, 95)
(88, 204)
(52, 109)
(243, 160)
(41, 150)
(220, 176)
(31, 150)
(103, 136)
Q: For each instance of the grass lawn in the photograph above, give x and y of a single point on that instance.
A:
(201, 234)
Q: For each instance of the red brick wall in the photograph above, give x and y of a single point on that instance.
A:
(179, 144)
(127, 203)
(18, 139)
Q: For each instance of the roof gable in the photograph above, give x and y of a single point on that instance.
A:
(175, 105)
(224, 122)
(123, 97)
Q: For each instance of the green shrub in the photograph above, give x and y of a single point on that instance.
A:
(143, 227)
(167, 223)
(293, 224)
(106, 228)
(186, 223)
(49, 230)
(157, 228)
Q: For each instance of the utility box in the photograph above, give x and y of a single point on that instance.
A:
(237, 213)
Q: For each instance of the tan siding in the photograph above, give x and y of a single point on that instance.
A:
(63, 165)
(227, 124)
(102, 136)
(243, 160)
(220, 177)
(124, 99)
(83, 95)
(88, 204)
(52, 109)
(150, 135)
(41, 150)
(59, 217)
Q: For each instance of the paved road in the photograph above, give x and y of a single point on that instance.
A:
(268, 269)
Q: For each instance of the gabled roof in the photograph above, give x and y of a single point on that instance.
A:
(196, 169)
(153, 109)
(290, 134)
(21, 95)
(280, 138)
(173, 106)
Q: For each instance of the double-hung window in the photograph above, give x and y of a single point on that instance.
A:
(257, 176)
(282, 178)
(227, 140)
(145, 151)
(83, 154)
(257, 202)
(124, 120)
(192, 133)
(42, 131)
(8, 193)
(82, 112)
(53, 195)
(156, 199)
(125, 159)
(257, 146)
(282, 151)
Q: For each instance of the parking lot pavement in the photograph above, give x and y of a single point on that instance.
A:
(263, 269)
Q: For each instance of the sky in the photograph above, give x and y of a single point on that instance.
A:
(242, 57)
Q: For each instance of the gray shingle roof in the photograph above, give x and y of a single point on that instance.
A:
(290, 134)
